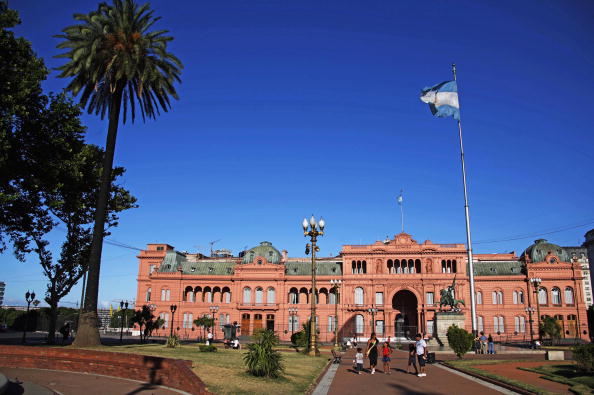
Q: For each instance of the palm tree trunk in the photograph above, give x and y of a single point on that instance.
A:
(87, 333)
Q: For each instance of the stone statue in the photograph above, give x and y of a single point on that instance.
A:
(448, 298)
(429, 266)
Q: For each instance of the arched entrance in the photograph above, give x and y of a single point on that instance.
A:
(405, 303)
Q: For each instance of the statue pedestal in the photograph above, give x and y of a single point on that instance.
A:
(443, 320)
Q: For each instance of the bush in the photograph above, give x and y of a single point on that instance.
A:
(172, 341)
(205, 348)
(584, 357)
(460, 340)
(551, 328)
(261, 359)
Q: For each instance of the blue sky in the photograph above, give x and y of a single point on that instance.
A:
(293, 108)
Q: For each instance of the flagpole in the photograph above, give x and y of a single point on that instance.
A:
(401, 210)
(468, 239)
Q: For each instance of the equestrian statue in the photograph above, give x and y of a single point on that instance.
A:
(448, 298)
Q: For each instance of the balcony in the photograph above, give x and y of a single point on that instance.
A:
(257, 306)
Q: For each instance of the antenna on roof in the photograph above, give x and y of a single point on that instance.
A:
(211, 244)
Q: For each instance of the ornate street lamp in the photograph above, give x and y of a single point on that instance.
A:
(373, 311)
(213, 310)
(29, 297)
(313, 229)
(536, 281)
(530, 310)
(173, 308)
(124, 306)
(336, 286)
(293, 312)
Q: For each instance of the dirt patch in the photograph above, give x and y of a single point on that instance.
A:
(510, 370)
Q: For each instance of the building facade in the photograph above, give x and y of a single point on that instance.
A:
(391, 287)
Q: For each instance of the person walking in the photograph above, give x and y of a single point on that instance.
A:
(65, 331)
(412, 359)
(491, 345)
(359, 360)
(386, 352)
(421, 348)
(371, 352)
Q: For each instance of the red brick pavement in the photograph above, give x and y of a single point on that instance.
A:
(437, 381)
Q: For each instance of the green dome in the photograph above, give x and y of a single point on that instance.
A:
(541, 248)
(264, 250)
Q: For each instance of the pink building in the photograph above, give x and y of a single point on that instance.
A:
(395, 283)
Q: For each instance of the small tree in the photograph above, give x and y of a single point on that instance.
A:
(146, 322)
(551, 328)
(460, 340)
(262, 359)
(584, 357)
(301, 338)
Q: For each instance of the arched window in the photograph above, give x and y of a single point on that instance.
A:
(165, 295)
(498, 324)
(364, 266)
(480, 323)
(520, 324)
(568, 295)
(188, 294)
(259, 295)
(293, 296)
(207, 295)
(556, 296)
(454, 266)
(332, 296)
(444, 268)
(354, 268)
(303, 296)
(479, 297)
(359, 324)
(165, 318)
(417, 266)
(226, 295)
(271, 297)
(323, 295)
(148, 295)
(247, 295)
(494, 297)
(358, 295)
(500, 297)
(518, 297)
(542, 296)
(390, 266)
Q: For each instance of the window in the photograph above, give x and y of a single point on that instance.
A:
(430, 327)
(497, 297)
(259, 295)
(518, 297)
(498, 324)
(556, 296)
(165, 295)
(165, 318)
(379, 298)
(151, 269)
(520, 324)
(222, 320)
(188, 319)
(293, 323)
(568, 295)
(379, 327)
(160, 248)
(332, 297)
(480, 323)
(359, 296)
(359, 324)
(479, 297)
(293, 296)
(227, 297)
(148, 295)
(270, 297)
(247, 295)
(542, 296)
(429, 298)
(330, 324)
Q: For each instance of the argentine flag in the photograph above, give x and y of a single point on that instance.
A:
(442, 99)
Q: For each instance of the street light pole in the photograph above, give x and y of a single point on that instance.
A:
(123, 309)
(214, 310)
(530, 310)
(292, 313)
(536, 281)
(336, 285)
(372, 310)
(29, 297)
(172, 308)
(311, 229)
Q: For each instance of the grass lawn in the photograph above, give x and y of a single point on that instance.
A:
(224, 372)
(580, 382)
(469, 365)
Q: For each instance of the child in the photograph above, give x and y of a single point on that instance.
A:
(359, 360)
(386, 351)
(412, 358)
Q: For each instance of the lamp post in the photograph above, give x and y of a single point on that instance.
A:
(292, 313)
(536, 281)
(313, 229)
(530, 310)
(124, 306)
(29, 297)
(173, 308)
(373, 311)
(213, 310)
(336, 286)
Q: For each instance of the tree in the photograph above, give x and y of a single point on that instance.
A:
(262, 359)
(460, 341)
(49, 175)
(119, 317)
(146, 322)
(114, 60)
(204, 323)
(551, 328)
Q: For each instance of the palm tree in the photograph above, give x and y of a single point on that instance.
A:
(114, 60)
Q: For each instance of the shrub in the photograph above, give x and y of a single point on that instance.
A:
(205, 348)
(550, 327)
(460, 340)
(172, 341)
(301, 338)
(261, 359)
(584, 357)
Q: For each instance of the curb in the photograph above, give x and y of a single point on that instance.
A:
(505, 385)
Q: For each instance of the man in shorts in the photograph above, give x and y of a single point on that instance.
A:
(421, 348)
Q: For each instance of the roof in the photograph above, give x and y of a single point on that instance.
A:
(499, 268)
(174, 260)
(324, 268)
(541, 248)
(265, 250)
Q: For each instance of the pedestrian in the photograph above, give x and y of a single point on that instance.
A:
(359, 360)
(208, 338)
(235, 344)
(65, 331)
(386, 352)
(477, 345)
(371, 352)
(349, 344)
(421, 348)
(491, 345)
(483, 339)
(412, 359)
